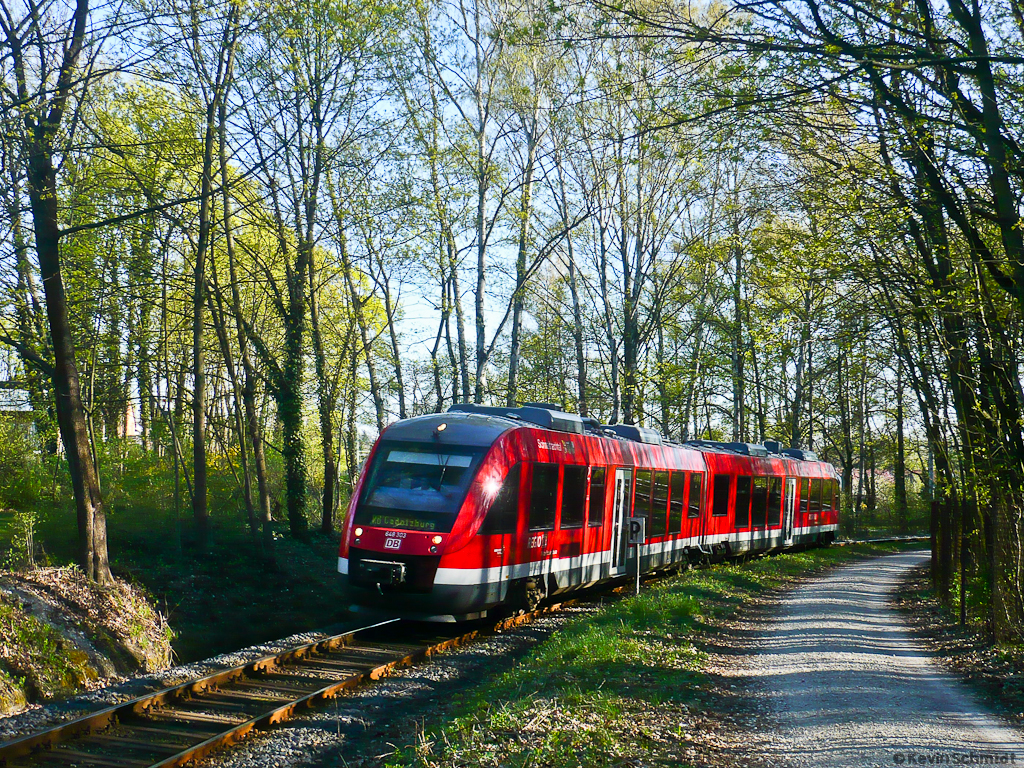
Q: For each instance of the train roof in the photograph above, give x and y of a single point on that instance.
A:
(451, 429)
(548, 416)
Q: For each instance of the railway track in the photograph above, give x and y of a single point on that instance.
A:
(186, 722)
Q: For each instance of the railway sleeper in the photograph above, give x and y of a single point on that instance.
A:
(132, 748)
(245, 696)
(288, 689)
(67, 756)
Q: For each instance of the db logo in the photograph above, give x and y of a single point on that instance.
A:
(392, 543)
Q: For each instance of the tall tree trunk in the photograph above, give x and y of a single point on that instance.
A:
(200, 510)
(351, 436)
(900, 468)
(518, 301)
(481, 263)
(42, 123)
(846, 453)
(289, 409)
(290, 378)
(460, 321)
(738, 351)
(364, 334)
(577, 312)
(664, 402)
(326, 408)
(609, 328)
(689, 414)
(630, 329)
(29, 316)
(390, 310)
(248, 389)
(218, 83)
(219, 317)
(92, 521)
(577, 335)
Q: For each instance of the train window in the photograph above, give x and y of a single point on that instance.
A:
(774, 501)
(574, 496)
(413, 486)
(834, 495)
(696, 481)
(805, 495)
(642, 499)
(659, 504)
(543, 496)
(759, 502)
(815, 497)
(503, 516)
(598, 491)
(743, 502)
(720, 502)
(677, 502)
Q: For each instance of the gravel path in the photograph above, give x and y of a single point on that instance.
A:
(847, 685)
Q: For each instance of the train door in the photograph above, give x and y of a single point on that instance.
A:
(502, 526)
(704, 521)
(620, 512)
(789, 510)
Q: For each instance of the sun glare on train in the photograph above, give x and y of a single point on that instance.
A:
(491, 487)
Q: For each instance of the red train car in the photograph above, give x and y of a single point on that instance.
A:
(460, 513)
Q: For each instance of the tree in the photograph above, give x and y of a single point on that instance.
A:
(47, 71)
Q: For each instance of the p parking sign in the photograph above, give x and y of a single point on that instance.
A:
(637, 530)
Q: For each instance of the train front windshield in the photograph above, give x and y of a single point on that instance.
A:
(416, 486)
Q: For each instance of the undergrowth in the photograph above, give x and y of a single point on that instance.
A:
(42, 664)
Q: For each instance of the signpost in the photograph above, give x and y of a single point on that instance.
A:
(637, 536)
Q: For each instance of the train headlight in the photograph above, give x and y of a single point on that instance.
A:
(358, 531)
(436, 540)
(433, 550)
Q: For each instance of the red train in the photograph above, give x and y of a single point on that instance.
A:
(460, 513)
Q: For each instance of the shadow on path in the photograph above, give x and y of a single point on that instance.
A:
(839, 681)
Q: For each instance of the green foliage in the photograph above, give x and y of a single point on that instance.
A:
(23, 474)
(51, 666)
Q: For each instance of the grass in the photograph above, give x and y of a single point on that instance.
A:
(615, 687)
(39, 662)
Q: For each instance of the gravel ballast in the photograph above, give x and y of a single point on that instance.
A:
(356, 729)
(366, 726)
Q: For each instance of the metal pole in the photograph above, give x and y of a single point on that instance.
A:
(637, 566)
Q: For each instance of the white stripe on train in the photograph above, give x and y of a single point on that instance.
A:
(470, 576)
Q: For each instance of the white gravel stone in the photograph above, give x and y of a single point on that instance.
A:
(38, 717)
(847, 685)
(321, 737)
(324, 737)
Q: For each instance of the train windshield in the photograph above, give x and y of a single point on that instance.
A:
(416, 486)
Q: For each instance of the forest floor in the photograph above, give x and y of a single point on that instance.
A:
(220, 596)
(996, 673)
(227, 598)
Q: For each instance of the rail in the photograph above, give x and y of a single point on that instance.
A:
(189, 721)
